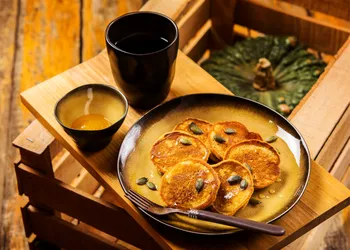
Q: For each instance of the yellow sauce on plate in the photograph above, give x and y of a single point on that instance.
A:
(140, 165)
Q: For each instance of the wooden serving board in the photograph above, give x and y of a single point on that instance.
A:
(323, 197)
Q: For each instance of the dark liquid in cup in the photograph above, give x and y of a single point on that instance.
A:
(142, 43)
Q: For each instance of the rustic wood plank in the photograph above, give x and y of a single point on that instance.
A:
(222, 16)
(85, 182)
(338, 8)
(192, 21)
(52, 41)
(172, 8)
(336, 141)
(199, 44)
(307, 29)
(95, 17)
(61, 233)
(343, 162)
(69, 200)
(319, 111)
(9, 15)
(66, 168)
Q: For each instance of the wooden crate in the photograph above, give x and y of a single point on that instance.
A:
(62, 201)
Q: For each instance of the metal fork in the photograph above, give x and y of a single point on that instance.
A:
(154, 208)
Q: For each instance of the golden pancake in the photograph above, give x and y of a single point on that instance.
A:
(190, 184)
(196, 127)
(231, 196)
(254, 136)
(261, 157)
(225, 134)
(174, 147)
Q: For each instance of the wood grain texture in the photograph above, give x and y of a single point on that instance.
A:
(338, 8)
(11, 227)
(307, 29)
(335, 142)
(222, 14)
(61, 233)
(192, 21)
(324, 104)
(189, 78)
(70, 201)
(95, 17)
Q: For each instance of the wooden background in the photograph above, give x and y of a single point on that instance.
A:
(39, 39)
(42, 38)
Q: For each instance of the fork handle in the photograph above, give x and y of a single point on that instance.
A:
(237, 222)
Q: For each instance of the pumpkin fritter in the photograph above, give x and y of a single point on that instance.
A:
(225, 134)
(254, 136)
(231, 197)
(172, 148)
(190, 184)
(196, 127)
(261, 157)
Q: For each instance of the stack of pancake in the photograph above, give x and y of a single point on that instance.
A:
(243, 162)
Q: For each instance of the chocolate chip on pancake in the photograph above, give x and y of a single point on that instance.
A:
(174, 147)
(190, 184)
(231, 196)
(261, 157)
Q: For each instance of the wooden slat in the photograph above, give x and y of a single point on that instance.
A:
(35, 138)
(336, 141)
(222, 16)
(274, 20)
(51, 41)
(9, 126)
(95, 212)
(338, 8)
(320, 110)
(85, 182)
(64, 234)
(66, 168)
(199, 44)
(343, 162)
(192, 21)
(172, 8)
(95, 17)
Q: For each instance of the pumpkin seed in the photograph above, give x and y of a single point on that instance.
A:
(281, 99)
(219, 139)
(277, 151)
(248, 166)
(271, 139)
(244, 184)
(195, 129)
(160, 173)
(185, 141)
(234, 179)
(199, 184)
(254, 201)
(141, 181)
(230, 131)
(151, 185)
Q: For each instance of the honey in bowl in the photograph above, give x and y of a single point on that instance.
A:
(91, 114)
(91, 122)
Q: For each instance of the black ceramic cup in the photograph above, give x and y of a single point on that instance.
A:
(142, 49)
(97, 99)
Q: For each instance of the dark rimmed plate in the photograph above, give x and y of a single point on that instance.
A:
(279, 198)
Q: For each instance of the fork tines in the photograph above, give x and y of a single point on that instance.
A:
(139, 200)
